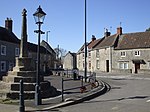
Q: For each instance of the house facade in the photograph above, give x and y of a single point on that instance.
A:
(70, 61)
(132, 54)
(121, 52)
(10, 49)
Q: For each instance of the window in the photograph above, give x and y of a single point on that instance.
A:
(97, 53)
(16, 51)
(123, 54)
(123, 65)
(137, 53)
(89, 54)
(83, 55)
(97, 64)
(3, 50)
(3, 66)
(83, 64)
(89, 64)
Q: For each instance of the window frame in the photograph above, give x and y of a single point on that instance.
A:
(123, 65)
(97, 64)
(3, 68)
(137, 53)
(3, 48)
(97, 53)
(123, 54)
(16, 51)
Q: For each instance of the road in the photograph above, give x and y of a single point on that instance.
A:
(129, 93)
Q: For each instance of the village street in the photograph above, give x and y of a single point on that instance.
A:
(129, 93)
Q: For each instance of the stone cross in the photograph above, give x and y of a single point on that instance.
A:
(23, 44)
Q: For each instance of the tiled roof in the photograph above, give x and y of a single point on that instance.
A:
(8, 36)
(107, 41)
(134, 40)
(93, 43)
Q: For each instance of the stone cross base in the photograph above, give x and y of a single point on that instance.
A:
(25, 70)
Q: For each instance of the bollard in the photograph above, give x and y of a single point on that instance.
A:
(81, 81)
(62, 91)
(21, 97)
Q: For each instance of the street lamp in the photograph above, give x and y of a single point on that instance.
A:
(39, 16)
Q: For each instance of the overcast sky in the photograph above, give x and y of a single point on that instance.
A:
(65, 19)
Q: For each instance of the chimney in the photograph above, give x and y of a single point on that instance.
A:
(107, 33)
(119, 30)
(8, 24)
(93, 38)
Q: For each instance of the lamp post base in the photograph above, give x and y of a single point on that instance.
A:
(38, 100)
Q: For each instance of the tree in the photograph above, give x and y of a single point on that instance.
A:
(148, 29)
(60, 52)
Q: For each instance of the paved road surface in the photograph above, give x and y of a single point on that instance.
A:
(128, 94)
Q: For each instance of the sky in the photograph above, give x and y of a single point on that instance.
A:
(65, 19)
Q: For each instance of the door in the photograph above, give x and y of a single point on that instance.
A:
(107, 65)
(137, 66)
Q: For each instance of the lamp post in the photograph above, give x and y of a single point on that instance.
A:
(39, 16)
(85, 48)
(46, 51)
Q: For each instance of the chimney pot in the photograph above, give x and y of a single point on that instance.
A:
(8, 24)
(107, 33)
(119, 30)
(93, 37)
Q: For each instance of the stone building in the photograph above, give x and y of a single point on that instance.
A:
(70, 61)
(132, 53)
(9, 49)
(121, 52)
(91, 55)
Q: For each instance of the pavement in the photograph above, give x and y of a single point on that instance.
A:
(72, 95)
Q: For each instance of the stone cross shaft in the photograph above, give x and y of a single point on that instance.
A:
(23, 44)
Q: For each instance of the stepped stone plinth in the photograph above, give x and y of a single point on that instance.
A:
(25, 70)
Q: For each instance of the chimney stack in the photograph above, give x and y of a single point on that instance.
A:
(107, 33)
(119, 30)
(8, 24)
(93, 38)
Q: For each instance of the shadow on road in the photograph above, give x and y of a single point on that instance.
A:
(120, 99)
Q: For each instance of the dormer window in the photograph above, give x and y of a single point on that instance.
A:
(123, 54)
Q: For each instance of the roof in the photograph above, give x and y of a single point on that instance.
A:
(91, 45)
(33, 48)
(47, 46)
(134, 40)
(6, 35)
(73, 54)
(107, 41)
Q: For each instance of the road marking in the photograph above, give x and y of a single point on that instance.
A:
(115, 108)
(148, 101)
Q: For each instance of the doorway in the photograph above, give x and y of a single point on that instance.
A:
(137, 66)
(107, 65)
